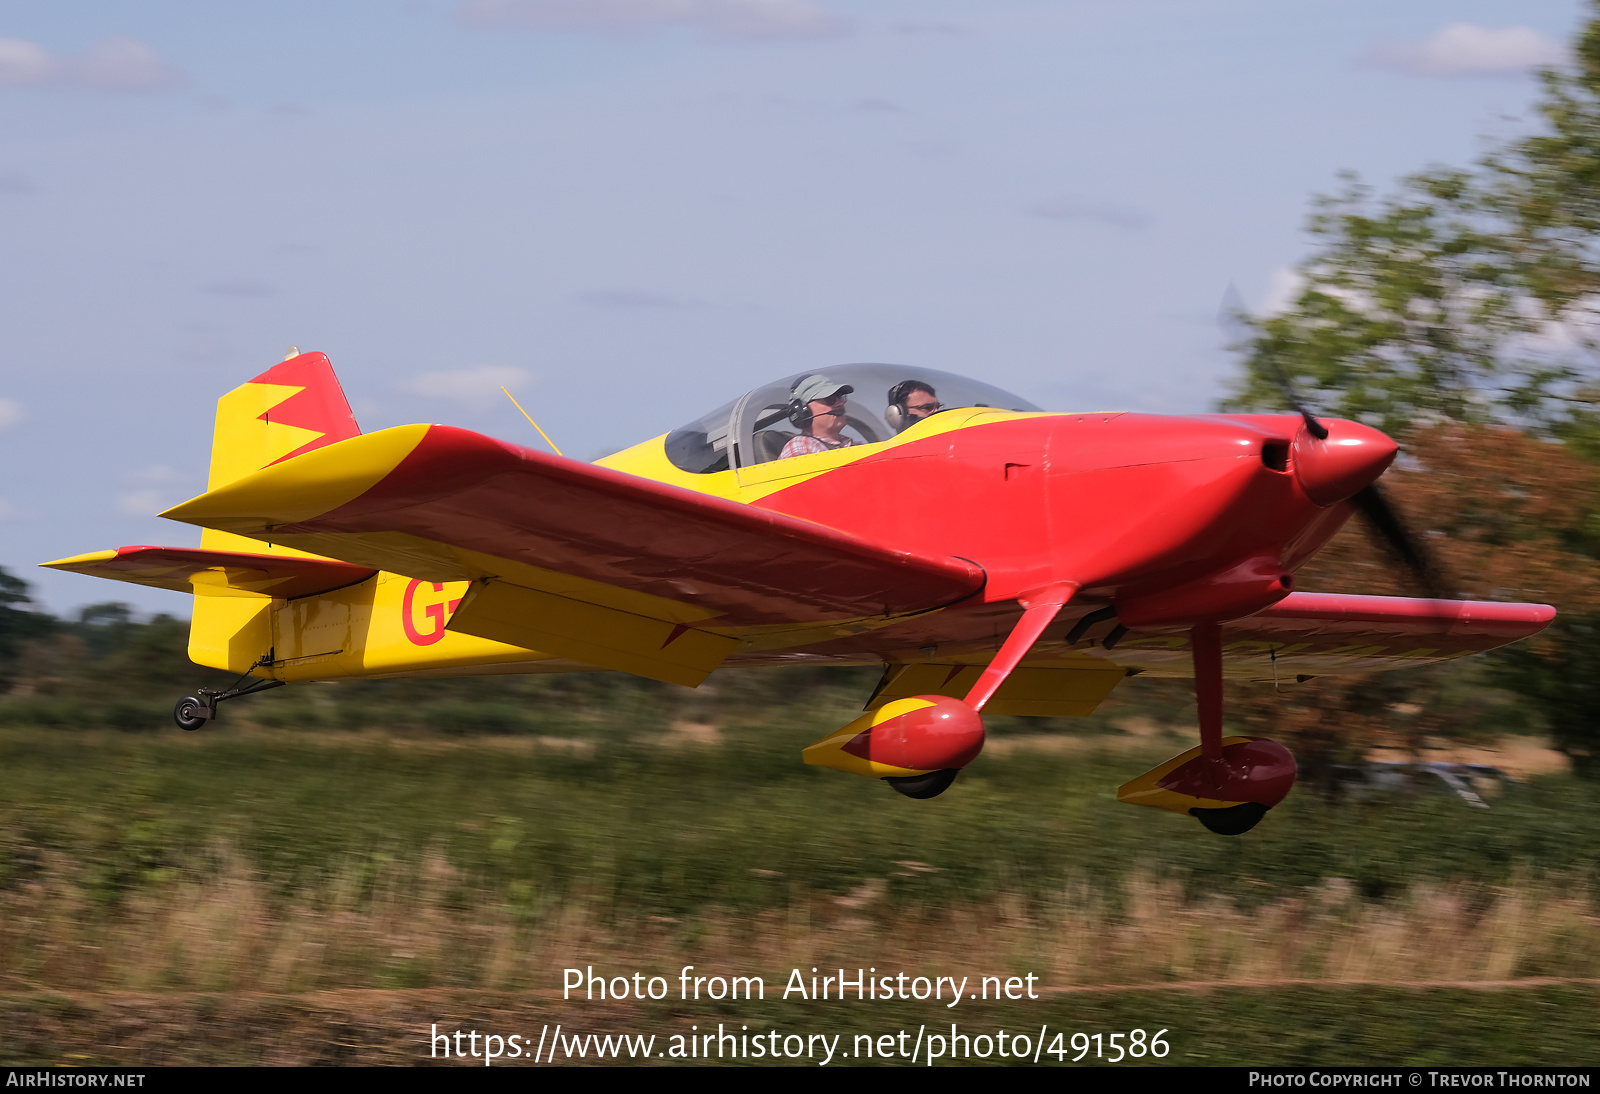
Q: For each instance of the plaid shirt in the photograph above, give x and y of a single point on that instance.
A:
(806, 444)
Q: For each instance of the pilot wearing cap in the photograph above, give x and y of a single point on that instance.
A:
(818, 408)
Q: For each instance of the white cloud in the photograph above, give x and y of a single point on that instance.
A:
(10, 413)
(156, 487)
(23, 62)
(746, 20)
(1283, 290)
(123, 64)
(476, 387)
(109, 64)
(1462, 49)
(143, 503)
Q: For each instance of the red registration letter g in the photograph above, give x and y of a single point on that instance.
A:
(435, 612)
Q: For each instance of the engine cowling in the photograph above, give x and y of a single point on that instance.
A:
(1243, 590)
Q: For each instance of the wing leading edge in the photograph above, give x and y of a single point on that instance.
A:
(661, 574)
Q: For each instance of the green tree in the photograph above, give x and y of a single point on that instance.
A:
(17, 624)
(1469, 296)
(1410, 312)
(1559, 677)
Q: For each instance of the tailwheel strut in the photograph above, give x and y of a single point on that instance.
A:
(194, 711)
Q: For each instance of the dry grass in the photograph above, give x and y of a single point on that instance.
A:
(1520, 757)
(219, 928)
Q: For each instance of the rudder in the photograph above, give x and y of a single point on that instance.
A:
(294, 407)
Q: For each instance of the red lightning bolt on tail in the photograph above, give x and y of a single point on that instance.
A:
(319, 405)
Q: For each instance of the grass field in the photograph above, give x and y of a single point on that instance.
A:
(1326, 1025)
(249, 871)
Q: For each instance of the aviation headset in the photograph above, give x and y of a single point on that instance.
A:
(800, 409)
(898, 417)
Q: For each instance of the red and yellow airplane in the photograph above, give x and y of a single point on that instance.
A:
(988, 555)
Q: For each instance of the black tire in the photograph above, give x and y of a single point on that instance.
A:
(1235, 820)
(187, 713)
(930, 785)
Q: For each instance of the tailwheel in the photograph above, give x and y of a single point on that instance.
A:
(1235, 820)
(194, 711)
(191, 713)
(930, 785)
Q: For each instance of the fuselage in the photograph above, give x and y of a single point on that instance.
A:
(1151, 516)
(1125, 506)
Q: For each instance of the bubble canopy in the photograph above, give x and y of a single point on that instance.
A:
(755, 427)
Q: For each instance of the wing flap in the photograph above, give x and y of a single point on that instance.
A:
(217, 573)
(1058, 691)
(674, 653)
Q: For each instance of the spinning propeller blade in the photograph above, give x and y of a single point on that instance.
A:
(1382, 520)
(1234, 319)
(1385, 524)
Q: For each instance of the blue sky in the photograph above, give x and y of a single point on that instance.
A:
(632, 210)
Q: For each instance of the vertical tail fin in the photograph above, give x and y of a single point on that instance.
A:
(295, 406)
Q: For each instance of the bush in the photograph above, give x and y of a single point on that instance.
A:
(42, 710)
(455, 716)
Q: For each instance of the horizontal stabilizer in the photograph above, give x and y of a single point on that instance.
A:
(217, 573)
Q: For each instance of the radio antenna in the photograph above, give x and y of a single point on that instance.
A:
(531, 422)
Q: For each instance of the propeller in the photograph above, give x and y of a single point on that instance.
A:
(1382, 519)
(1232, 318)
(1385, 524)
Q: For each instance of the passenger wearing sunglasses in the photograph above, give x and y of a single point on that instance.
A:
(910, 401)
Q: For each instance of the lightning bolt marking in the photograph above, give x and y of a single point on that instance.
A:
(292, 408)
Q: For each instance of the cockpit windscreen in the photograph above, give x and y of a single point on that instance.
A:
(771, 422)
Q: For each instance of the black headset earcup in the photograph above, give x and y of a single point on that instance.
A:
(799, 413)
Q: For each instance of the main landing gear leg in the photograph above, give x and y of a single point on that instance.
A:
(919, 745)
(194, 711)
(1228, 783)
